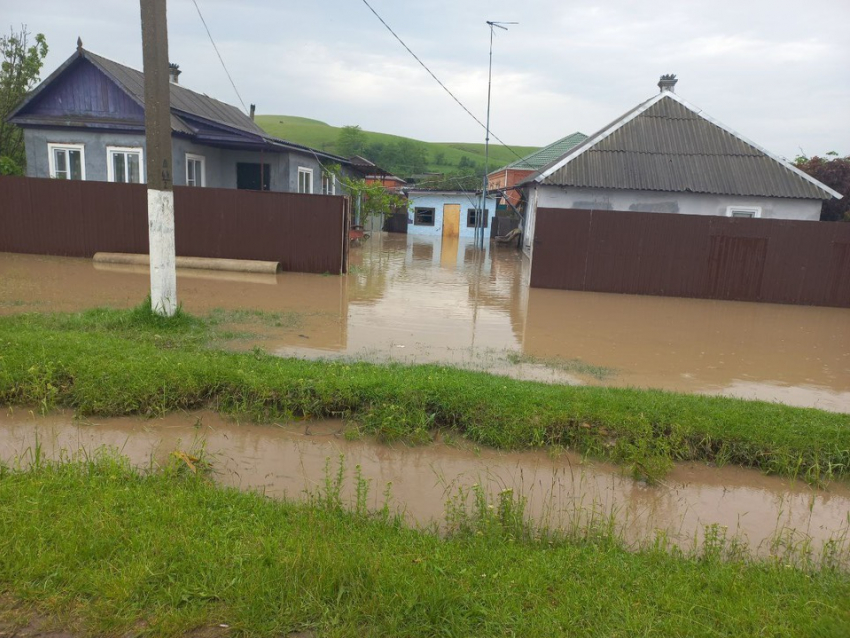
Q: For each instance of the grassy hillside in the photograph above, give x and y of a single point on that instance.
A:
(441, 157)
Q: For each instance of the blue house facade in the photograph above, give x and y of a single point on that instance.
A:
(86, 121)
(447, 213)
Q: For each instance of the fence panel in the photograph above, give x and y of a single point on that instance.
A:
(305, 233)
(778, 261)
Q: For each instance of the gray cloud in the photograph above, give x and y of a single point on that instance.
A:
(776, 71)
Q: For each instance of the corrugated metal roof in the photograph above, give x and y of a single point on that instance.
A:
(182, 99)
(195, 104)
(538, 159)
(671, 147)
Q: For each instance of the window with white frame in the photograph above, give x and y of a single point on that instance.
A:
(328, 184)
(305, 180)
(743, 211)
(195, 170)
(124, 164)
(66, 161)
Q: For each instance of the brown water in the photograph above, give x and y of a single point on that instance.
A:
(562, 491)
(412, 299)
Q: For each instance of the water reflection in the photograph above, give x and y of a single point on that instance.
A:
(284, 459)
(423, 299)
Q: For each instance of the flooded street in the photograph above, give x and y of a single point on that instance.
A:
(415, 299)
(562, 491)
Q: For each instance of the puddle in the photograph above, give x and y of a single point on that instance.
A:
(413, 300)
(562, 491)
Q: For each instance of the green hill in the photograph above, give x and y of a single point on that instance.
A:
(401, 155)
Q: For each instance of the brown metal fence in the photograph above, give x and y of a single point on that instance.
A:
(305, 233)
(767, 260)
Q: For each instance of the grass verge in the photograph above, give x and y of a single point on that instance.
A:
(106, 549)
(113, 362)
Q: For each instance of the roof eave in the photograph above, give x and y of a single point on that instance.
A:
(773, 156)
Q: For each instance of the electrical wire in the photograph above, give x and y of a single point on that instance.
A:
(437, 80)
(220, 59)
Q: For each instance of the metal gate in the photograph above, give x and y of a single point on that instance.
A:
(767, 260)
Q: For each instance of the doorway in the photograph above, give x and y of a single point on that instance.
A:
(451, 220)
(248, 176)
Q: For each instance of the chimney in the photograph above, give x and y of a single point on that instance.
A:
(174, 72)
(667, 83)
(253, 108)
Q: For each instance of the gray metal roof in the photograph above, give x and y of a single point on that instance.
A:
(667, 145)
(182, 99)
(540, 158)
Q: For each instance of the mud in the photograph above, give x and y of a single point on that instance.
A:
(413, 299)
(562, 491)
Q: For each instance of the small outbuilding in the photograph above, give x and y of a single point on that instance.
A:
(448, 213)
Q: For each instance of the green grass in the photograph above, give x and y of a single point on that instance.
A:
(323, 136)
(104, 550)
(575, 366)
(114, 362)
(291, 319)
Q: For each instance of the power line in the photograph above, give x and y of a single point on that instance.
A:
(232, 83)
(437, 80)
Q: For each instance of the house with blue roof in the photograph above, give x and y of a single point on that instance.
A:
(86, 121)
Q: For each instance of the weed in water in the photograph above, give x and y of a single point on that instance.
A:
(110, 549)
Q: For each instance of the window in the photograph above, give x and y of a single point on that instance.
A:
(124, 164)
(195, 173)
(305, 180)
(423, 217)
(743, 211)
(66, 161)
(328, 184)
(474, 214)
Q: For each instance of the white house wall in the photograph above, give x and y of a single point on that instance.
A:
(684, 203)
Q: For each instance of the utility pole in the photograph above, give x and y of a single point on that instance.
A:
(158, 167)
(481, 217)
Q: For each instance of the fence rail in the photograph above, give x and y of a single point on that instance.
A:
(767, 260)
(305, 233)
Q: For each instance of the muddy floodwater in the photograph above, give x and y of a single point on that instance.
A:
(562, 491)
(420, 299)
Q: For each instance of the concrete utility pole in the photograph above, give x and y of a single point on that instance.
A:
(158, 167)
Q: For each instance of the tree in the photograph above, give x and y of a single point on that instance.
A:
(834, 171)
(413, 158)
(374, 200)
(20, 65)
(351, 141)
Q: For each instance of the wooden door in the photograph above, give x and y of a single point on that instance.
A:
(451, 220)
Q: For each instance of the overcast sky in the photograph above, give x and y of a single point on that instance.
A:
(776, 71)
